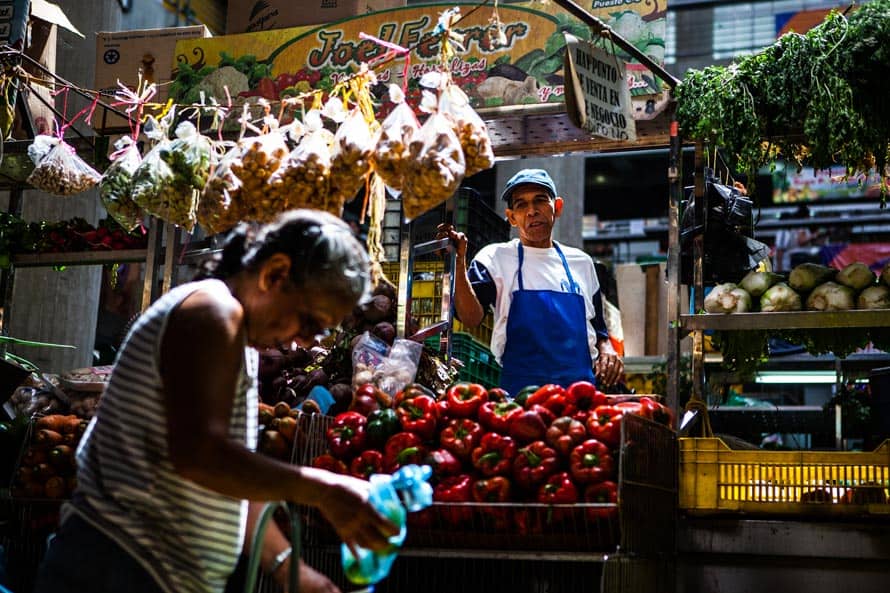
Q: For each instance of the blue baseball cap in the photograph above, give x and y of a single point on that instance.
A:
(529, 176)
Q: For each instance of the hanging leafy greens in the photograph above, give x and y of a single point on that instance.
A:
(818, 99)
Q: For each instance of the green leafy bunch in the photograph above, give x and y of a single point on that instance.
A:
(817, 99)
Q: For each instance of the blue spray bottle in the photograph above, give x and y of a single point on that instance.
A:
(412, 484)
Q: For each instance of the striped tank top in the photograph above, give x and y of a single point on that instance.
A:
(186, 536)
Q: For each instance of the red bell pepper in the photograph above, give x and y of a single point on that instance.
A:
(454, 489)
(591, 462)
(583, 396)
(604, 492)
(366, 463)
(461, 436)
(658, 411)
(564, 434)
(464, 399)
(604, 424)
(402, 448)
(551, 396)
(346, 435)
(496, 489)
(494, 455)
(330, 463)
(496, 394)
(528, 426)
(558, 489)
(368, 398)
(443, 413)
(443, 463)
(534, 463)
(411, 391)
(419, 415)
(496, 417)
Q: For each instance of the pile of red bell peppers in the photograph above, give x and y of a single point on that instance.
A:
(549, 444)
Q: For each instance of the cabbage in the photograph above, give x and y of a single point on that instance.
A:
(756, 283)
(874, 297)
(806, 277)
(856, 275)
(727, 298)
(780, 297)
(831, 296)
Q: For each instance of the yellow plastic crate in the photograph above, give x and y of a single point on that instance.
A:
(426, 298)
(717, 479)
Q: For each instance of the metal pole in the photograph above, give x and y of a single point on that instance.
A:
(675, 194)
(700, 223)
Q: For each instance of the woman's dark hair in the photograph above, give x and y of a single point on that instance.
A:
(321, 247)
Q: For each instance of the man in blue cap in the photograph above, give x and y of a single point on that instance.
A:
(549, 325)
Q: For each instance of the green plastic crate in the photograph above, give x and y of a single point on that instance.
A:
(479, 363)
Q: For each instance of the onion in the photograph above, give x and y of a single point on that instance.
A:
(727, 298)
(831, 296)
(874, 297)
(856, 275)
(780, 297)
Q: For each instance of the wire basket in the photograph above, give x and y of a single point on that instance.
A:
(643, 520)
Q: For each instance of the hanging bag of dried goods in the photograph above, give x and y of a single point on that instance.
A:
(221, 206)
(350, 159)
(303, 180)
(168, 182)
(436, 165)
(391, 146)
(116, 186)
(58, 170)
(261, 157)
(471, 130)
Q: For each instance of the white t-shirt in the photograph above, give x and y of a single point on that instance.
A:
(542, 269)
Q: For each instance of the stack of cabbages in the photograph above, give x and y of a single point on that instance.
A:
(809, 286)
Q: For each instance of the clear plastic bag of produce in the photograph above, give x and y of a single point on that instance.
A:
(391, 154)
(304, 179)
(470, 129)
(350, 159)
(58, 170)
(171, 176)
(261, 157)
(435, 169)
(116, 186)
(389, 368)
(221, 206)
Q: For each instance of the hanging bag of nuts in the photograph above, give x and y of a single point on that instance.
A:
(391, 154)
(472, 131)
(350, 161)
(436, 166)
(261, 157)
(221, 206)
(58, 170)
(303, 180)
(116, 186)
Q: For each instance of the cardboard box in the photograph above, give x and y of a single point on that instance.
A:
(37, 22)
(245, 16)
(122, 55)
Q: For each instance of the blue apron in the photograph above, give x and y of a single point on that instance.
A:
(546, 336)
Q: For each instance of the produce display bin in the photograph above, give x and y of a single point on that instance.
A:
(479, 363)
(715, 479)
(643, 520)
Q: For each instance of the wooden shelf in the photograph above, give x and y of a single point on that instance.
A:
(786, 320)
(82, 258)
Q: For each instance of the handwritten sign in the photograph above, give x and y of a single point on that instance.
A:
(597, 94)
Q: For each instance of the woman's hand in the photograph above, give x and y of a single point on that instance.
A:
(608, 368)
(345, 504)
